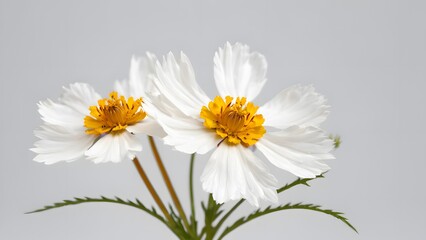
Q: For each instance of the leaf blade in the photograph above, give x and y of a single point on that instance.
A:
(288, 206)
(102, 199)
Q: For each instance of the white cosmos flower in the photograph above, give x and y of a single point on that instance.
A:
(83, 124)
(139, 84)
(232, 125)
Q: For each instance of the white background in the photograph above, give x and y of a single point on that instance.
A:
(367, 57)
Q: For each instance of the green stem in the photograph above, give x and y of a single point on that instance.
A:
(169, 185)
(219, 224)
(212, 212)
(209, 224)
(151, 190)
(191, 192)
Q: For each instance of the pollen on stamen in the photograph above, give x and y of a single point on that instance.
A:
(114, 114)
(235, 121)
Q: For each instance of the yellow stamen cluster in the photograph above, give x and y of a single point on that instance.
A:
(234, 121)
(113, 114)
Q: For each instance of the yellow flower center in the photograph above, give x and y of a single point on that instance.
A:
(113, 114)
(234, 121)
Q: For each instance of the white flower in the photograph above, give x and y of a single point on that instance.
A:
(139, 76)
(232, 125)
(81, 123)
(139, 84)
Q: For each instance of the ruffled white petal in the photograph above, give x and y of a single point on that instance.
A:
(298, 150)
(114, 148)
(149, 127)
(234, 172)
(140, 82)
(297, 105)
(184, 133)
(159, 103)
(59, 144)
(239, 72)
(190, 137)
(176, 81)
(62, 136)
(58, 114)
(187, 134)
(72, 107)
(79, 96)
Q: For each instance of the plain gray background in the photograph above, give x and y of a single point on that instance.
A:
(367, 57)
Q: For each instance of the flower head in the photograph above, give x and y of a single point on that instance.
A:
(113, 115)
(81, 123)
(285, 129)
(234, 121)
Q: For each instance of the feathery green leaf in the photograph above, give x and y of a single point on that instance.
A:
(211, 212)
(299, 181)
(78, 200)
(289, 206)
(303, 181)
(136, 204)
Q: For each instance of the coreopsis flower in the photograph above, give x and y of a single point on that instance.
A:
(285, 129)
(83, 124)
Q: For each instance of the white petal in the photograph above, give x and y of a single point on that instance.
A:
(298, 150)
(159, 103)
(297, 105)
(114, 148)
(140, 70)
(187, 134)
(234, 172)
(175, 80)
(58, 114)
(184, 133)
(72, 107)
(59, 144)
(239, 72)
(122, 88)
(139, 81)
(79, 97)
(149, 127)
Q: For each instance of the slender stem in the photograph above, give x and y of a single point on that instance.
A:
(191, 191)
(169, 183)
(209, 222)
(151, 189)
(213, 208)
(219, 224)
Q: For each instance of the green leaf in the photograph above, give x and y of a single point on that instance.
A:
(136, 204)
(288, 206)
(178, 230)
(211, 212)
(177, 220)
(299, 181)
